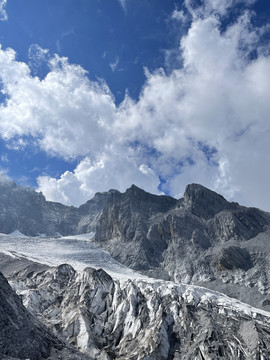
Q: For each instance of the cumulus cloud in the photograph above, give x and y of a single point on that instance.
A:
(114, 170)
(37, 56)
(65, 111)
(206, 122)
(207, 7)
(3, 13)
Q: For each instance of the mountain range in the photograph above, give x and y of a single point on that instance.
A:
(214, 247)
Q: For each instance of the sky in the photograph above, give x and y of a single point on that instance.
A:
(98, 95)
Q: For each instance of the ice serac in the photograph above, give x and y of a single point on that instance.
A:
(22, 335)
(144, 319)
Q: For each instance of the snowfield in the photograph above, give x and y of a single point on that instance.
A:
(78, 251)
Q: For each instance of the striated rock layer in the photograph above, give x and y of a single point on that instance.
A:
(23, 209)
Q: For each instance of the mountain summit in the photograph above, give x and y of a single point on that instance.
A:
(204, 202)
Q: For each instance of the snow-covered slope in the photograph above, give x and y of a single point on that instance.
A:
(77, 251)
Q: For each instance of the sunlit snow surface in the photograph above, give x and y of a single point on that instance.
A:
(78, 251)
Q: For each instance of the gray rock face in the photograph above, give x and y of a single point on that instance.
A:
(234, 257)
(205, 203)
(90, 212)
(21, 336)
(24, 209)
(125, 219)
(200, 239)
(150, 320)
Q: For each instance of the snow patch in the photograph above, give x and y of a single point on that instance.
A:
(17, 233)
(77, 250)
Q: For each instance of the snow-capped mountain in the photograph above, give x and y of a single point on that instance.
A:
(117, 292)
(200, 239)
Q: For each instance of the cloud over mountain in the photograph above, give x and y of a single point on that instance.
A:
(205, 122)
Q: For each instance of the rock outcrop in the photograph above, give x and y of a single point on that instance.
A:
(22, 336)
(23, 209)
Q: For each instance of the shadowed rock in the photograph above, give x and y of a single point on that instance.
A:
(21, 336)
(234, 257)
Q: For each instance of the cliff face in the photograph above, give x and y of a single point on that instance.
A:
(200, 239)
(21, 335)
(24, 209)
(125, 220)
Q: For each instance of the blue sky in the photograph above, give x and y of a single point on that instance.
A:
(102, 94)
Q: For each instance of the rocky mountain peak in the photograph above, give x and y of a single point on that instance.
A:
(158, 203)
(136, 191)
(205, 203)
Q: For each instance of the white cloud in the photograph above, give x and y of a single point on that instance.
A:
(179, 15)
(114, 65)
(218, 100)
(65, 111)
(218, 7)
(206, 122)
(3, 13)
(37, 56)
(4, 158)
(114, 170)
(123, 3)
